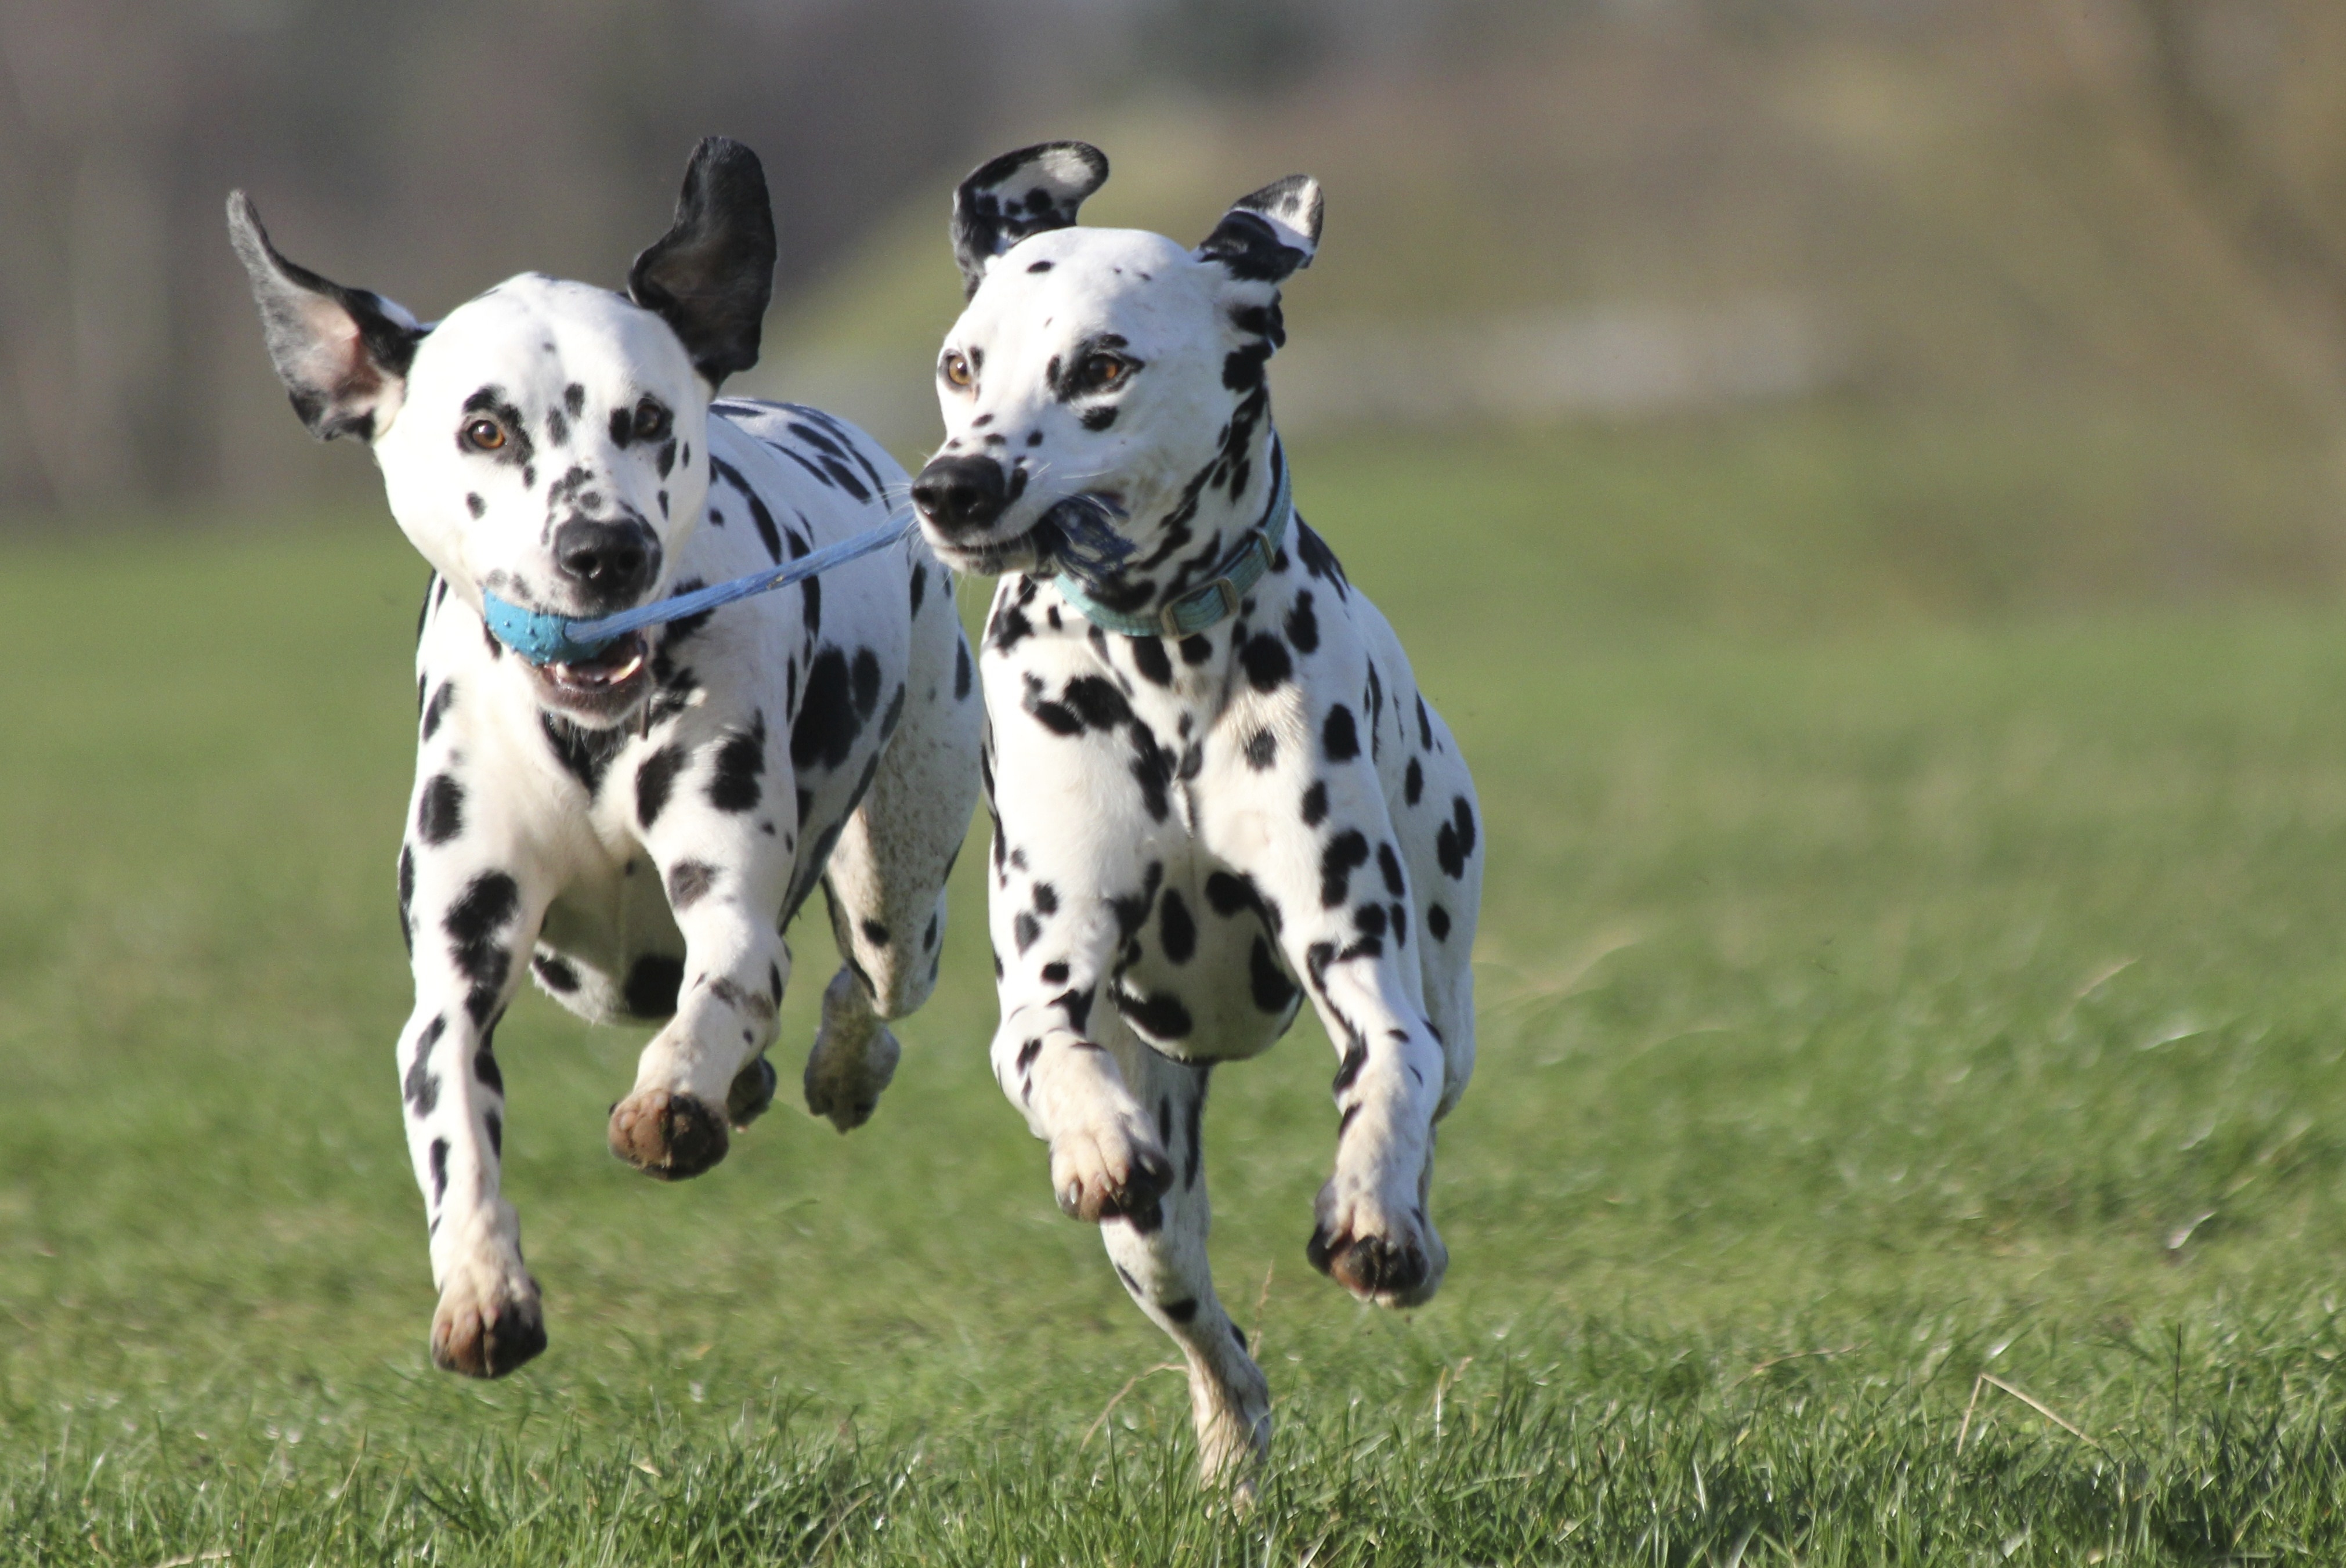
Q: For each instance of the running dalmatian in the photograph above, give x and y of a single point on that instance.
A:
(641, 826)
(1216, 787)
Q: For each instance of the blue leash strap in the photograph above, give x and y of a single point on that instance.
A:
(542, 638)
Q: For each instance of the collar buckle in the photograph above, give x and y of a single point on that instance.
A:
(1174, 621)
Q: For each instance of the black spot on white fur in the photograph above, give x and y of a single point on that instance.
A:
(1338, 740)
(421, 1088)
(652, 985)
(487, 905)
(1158, 1015)
(1265, 660)
(555, 972)
(440, 811)
(688, 883)
(437, 708)
(733, 783)
(1177, 931)
(654, 777)
(1455, 841)
(824, 733)
(407, 896)
(1344, 854)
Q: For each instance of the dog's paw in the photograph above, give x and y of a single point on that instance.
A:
(489, 1322)
(844, 1074)
(668, 1136)
(751, 1094)
(1389, 1255)
(1112, 1169)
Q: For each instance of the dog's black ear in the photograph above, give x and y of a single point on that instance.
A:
(1270, 234)
(342, 352)
(1021, 193)
(712, 275)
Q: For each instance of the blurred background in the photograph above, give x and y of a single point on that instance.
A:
(1972, 304)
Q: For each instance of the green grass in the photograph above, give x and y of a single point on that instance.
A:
(1865, 1010)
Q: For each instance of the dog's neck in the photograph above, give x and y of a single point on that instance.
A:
(1211, 517)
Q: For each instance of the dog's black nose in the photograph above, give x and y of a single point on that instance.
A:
(961, 494)
(613, 562)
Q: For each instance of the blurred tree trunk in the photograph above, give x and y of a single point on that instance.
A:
(2246, 100)
(88, 90)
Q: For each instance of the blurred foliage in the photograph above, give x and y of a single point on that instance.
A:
(426, 149)
(2116, 220)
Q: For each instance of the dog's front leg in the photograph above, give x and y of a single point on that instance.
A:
(726, 877)
(1314, 834)
(1106, 1162)
(1060, 917)
(469, 911)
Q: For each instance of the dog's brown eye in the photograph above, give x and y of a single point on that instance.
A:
(652, 421)
(957, 371)
(1103, 372)
(484, 435)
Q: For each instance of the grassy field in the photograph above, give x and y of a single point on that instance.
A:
(1868, 1012)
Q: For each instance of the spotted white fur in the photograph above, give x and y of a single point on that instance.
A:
(638, 830)
(1191, 835)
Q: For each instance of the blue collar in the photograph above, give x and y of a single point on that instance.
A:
(1212, 602)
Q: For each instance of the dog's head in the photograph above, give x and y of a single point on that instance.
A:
(547, 441)
(1104, 385)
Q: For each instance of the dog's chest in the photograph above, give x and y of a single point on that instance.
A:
(568, 790)
(1137, 736)
(1110, 717)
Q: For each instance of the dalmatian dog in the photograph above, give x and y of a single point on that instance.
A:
(1217, 789)
(640, 826)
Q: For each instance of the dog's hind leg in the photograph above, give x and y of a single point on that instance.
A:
(854, 1053)
(885, 885)
(1160, 1255)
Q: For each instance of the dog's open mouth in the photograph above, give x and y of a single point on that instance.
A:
(605, 684)
(1079, 533)
(1028, 551)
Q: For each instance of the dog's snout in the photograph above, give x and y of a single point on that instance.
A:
(961, 494)
(614, 561)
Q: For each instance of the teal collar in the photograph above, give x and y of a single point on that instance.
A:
(1212, 602)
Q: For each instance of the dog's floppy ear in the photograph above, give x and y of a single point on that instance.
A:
(342, 352)
(1021, 193)
(1270, 234)
(712, 275)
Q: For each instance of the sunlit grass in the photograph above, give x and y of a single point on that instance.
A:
(1863, 1011)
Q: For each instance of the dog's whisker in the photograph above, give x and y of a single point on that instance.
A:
(1075, 482)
